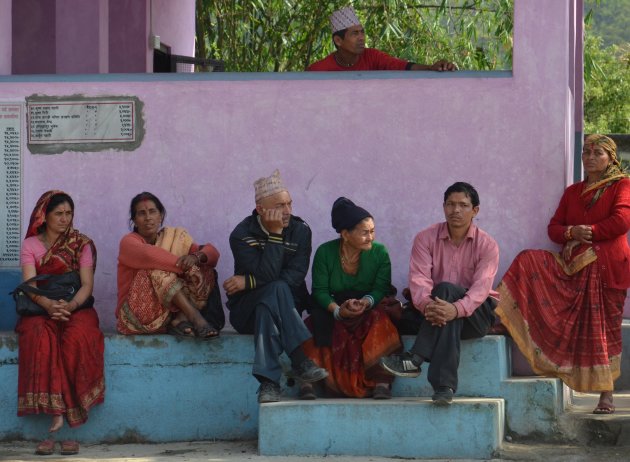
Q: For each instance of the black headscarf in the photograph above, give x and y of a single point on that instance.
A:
(345, 214)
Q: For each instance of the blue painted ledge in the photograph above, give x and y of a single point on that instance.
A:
(160, 388)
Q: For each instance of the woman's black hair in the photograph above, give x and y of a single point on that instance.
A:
(144, 196)
(55, 201)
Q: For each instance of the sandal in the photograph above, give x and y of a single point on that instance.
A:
(69, 448)
(183, 329)
(45, 448)
(206, 332)
(605, 404)
(604, 407)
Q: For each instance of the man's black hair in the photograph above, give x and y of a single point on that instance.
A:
(341, 34)
(465, 188)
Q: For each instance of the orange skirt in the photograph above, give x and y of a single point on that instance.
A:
(357, 346)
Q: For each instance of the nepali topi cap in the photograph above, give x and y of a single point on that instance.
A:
(343, 18)
(268, 186)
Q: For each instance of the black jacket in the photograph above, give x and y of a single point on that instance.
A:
(263, 258)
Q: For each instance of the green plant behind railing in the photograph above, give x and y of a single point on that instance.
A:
(287, 35)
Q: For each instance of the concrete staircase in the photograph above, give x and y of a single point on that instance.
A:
(579, 424)
(162, 389)
(488, 403)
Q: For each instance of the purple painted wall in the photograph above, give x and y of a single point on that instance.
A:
(33, 42)
(128, 35)
(174, 22)
(77, 37)
(391, 145)
(5, 37)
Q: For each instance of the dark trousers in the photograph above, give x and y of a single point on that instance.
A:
(269, 313)
(441, 345)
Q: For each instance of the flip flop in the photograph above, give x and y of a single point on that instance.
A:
(69, 448)
(604, 408)
(180, 330)
(206, 332)
(45, 448)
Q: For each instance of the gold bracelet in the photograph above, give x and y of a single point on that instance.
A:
(568, 235)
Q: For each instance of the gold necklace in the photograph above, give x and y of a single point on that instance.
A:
(342, 64)
(347, 265)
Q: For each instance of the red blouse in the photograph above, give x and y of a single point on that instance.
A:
(136, 254)
(610, 219)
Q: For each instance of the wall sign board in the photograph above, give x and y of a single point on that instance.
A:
(79, 123)
(10, 182)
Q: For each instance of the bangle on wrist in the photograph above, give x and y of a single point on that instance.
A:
(568, 235)
(337, 313)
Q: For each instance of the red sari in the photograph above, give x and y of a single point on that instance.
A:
(357, 345)
(565, 316)
(60, 363)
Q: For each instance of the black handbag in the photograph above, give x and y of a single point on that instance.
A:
(54, 286)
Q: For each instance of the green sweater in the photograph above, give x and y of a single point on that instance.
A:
(373, 277)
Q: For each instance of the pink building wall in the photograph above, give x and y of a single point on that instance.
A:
(77, 37)
(5, 37)
(90, 36)
(392, 142)
(33, 40)
(174, 22)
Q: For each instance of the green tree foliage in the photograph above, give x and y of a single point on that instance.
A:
(606, 81)
(287, 35)
(610, 20)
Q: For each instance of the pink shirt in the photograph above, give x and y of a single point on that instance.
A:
(33, 250)
(472, 265)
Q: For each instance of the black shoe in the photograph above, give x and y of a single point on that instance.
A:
(400, 365)
(443, 396)
(269, 392)
(306, 392)
(382, 391)
(308, 371)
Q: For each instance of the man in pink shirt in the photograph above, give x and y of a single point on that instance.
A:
(352, 55)
(451, 273)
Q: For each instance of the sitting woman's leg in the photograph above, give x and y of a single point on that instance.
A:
(200, 326)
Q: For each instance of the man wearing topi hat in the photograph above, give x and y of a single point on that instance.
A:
(272, 251)
(352, 55)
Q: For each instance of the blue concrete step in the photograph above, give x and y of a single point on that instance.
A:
(623, 382)
(158, 389)
(163, 389)
(484, 364)
(402, 427)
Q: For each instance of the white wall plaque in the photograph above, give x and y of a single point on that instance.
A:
(81, 122)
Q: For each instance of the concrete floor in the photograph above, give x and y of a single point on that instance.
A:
(246, 451)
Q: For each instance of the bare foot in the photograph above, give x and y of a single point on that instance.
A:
(56, 424)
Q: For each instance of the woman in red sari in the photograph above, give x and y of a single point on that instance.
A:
(564, 310)
(60, 353)
(166, 282)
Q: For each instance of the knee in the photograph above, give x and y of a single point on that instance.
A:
(448, 291)
(278, 285)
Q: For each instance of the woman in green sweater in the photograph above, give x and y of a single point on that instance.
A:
(351, 276)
